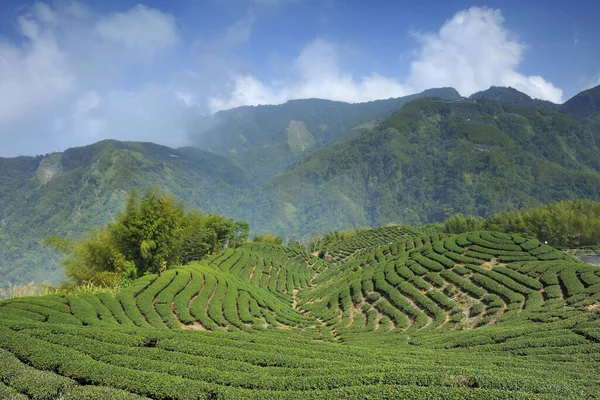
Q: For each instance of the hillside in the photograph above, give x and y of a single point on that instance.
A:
(430, 160)
(265, 140)
(71, 192)
(393, 312)
(373, 165)
(512, 96)
(584, 105)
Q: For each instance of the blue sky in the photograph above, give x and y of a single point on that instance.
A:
(73, 73)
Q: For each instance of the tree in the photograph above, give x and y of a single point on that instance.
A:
(268, 238)
(240, 233)
(151, 234)
(197, 239)
(94, 259)
(148, 232)
(460, 223)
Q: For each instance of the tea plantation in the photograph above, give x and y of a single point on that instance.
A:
(389, 313)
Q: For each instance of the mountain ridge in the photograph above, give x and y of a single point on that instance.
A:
(264, 140)
(584, 105)
(426, 149)
(422, 163)
(513, 96)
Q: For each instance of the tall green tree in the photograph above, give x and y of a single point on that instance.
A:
(149, 230)
(565, 223)
(153, 232)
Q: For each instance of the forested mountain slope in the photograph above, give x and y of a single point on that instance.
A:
(265, 140)
(372, 165)
(512, 96)
(584, 105)
(71, 192)
(432, 159)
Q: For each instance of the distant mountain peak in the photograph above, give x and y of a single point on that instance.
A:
(513, 96)
(447, 93)
(583, 104)
(499, 92)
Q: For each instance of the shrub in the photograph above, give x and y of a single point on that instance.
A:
(475, 309)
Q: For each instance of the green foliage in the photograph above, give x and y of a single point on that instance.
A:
(567, 223)
(264, 321)
(149, 230)
(426, 162)
(268, 238)
(432, 160)
(267, 140)
(95, 259)
(66, 194)
(513, 96)
(584, 105)
(152, 233)
(460, 224)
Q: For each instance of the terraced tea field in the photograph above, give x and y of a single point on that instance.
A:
(389, 313)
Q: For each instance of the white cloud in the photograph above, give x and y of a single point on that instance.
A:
(186, 97)
(153, 113)
(592, 83)
(68, 79)
(473, 51)
(239, 31)
(87, 102)
(246, 90)
(317, 75)
(83, 121)
(142, 28)
(33, 73)
(57, 81)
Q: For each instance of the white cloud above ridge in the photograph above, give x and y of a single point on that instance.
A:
(48, 76)
(60, 84)
(239, 32)
(592, 83)
(471, 52)
(318, 75)
(141, 28)
(32, 75)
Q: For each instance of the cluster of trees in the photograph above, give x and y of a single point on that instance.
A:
(268, 238)
(566, 223)
(153, 232)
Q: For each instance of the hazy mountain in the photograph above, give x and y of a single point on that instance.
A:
(430, 160)
(312, 165)
(513, 96)
(265, 140)
(68, 193)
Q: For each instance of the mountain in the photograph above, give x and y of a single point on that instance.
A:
(391, 313)
(68, 193)
(265, 140)
(430, 160)
(421, 163)
(512, 96)
(583, 105)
